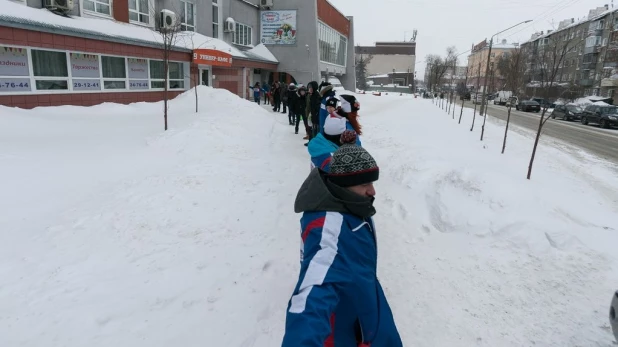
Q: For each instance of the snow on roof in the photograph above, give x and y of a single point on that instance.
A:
(379, 76)
(262, 51)
(13, 12)
(601, 103)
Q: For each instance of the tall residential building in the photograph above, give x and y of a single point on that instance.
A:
(85, 52)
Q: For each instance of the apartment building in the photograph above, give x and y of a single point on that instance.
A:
(85, 52)
(477, 64)
(589, 64)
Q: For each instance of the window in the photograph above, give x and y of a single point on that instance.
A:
(114, 72)
(333, 46)
(98, 6)
(139, 11)
(50, 70)
(215, 19)
(187, 16)
(593, 41)
(604, 42)
(176, 75)
(242, 35)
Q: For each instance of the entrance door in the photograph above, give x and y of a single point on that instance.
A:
(205, 77)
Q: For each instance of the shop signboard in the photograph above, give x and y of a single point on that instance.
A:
(86, 84)
(85, 65)
(13, 61)
(278, 27)
(138, 84)
(138, 68)
(212, 57)
(14, 85)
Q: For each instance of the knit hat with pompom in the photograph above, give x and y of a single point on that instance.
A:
(352, 165)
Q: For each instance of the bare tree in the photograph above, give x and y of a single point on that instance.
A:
(512, 68)
(188, 38)
(476, 95)
(168, 33)
(546, 61)
(463, 92)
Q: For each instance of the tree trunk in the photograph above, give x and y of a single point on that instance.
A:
(165, 96)
(536, 143)
(462, 106)
(484, 120)
(506, 129)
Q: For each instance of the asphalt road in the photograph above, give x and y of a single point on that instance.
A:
(601, 142)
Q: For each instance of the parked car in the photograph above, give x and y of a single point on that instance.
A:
(528, 105)
(502, 97)
(604, 116)
(567, 112)
(512, 101)
(542, 102)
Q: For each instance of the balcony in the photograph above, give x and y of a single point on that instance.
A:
(595, 32)
(610, 64)
(592, 50)
(589, 66)
(608, 82)
(586, 82)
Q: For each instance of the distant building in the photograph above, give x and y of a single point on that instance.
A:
(477, 64)
(391, 63)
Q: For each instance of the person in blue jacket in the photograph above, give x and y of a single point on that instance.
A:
(338, 300)
(322, 147)
(266, 91)
(256, 92)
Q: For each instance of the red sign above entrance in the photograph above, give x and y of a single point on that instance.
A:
(212, 57)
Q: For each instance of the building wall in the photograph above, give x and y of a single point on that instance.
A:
(300, 60)
(243, 13)
(348, 80)
(328, 14)
(384, 64)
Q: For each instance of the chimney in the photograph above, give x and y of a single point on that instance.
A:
(504, 41)
(606, 7)
(549, 32)
(572, 20)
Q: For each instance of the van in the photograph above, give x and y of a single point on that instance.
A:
(502, 97)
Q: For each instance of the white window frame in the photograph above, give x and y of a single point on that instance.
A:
(219, 23)
(70, 79)
(149, 13)
(84, 12)
(169, 80)
(240, 35)
(184, 4)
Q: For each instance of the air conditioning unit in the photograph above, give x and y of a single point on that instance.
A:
(230, 25)
(267, 4)
(62, 5)
(168, 19)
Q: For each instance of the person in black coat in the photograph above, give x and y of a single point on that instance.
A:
(292, 98)
(276, 93)
(314, 101)
(301, 105)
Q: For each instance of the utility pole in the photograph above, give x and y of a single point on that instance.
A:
(485, 116)
(478, 82)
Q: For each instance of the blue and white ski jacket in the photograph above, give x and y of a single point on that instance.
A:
(338, 301)
(321, 151)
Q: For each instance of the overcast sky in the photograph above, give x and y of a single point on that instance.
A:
(441, 23)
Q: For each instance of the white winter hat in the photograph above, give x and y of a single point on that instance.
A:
(334, 125)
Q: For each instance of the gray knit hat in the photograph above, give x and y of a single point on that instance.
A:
(352, 165)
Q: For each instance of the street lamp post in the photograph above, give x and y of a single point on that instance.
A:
(483, 105)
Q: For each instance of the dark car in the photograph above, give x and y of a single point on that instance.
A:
(528, 105)
(567, 112)
(604, 115)
(542, 102)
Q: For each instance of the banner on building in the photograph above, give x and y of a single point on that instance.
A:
(138, 84)
(86, 84)
(13, 61)
(85, 65)
(212, 57)
(15, 85)
(278, 27)
(138, 68)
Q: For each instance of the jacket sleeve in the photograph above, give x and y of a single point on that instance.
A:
(324, 271)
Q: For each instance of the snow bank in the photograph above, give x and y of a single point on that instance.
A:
(473, 254)
(117, 234)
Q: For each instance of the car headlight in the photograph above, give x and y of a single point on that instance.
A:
(613, 118)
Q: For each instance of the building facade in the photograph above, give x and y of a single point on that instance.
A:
(390, 58)
(477, 65)
(85, 52)
(590, 67)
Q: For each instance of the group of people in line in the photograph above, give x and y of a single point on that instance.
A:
(338, 300)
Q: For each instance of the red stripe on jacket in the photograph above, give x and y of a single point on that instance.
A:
(316, 223)
(330, 340)
(326, 162)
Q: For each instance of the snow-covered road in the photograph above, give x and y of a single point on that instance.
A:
(114, 234)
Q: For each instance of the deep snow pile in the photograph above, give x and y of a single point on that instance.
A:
(117, 234)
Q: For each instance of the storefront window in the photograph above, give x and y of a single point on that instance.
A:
(157, 75)
(114, 72)
(47, 67)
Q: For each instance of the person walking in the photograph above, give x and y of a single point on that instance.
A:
(301, 105)
(276, 92)
(338, 300)
(266, 91)
(257, 90)
(322, 147)
(284, 97)
(313, 108)
(291, 98)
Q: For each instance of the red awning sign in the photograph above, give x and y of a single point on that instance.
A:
(212, 57)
